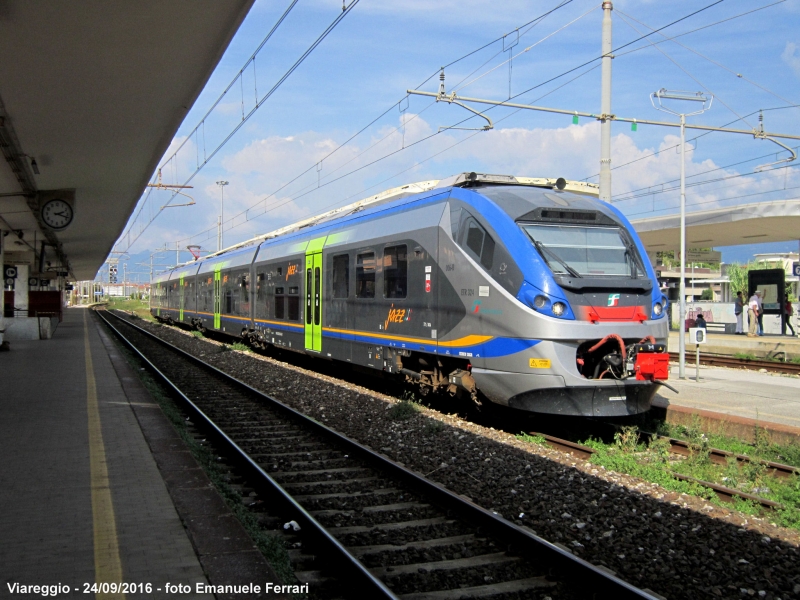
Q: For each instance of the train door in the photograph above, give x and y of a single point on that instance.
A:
(217, 295)
(159, 299)
(181, 297)
(313, 324)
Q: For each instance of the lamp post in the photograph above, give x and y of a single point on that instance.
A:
(221, 185)
(661, 95)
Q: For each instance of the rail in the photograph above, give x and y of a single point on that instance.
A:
(596, 582)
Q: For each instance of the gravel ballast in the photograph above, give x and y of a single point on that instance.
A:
(676, 545)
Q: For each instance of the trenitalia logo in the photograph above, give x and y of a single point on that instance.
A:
(613, 299)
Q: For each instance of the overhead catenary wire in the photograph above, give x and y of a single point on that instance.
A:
(532, 88)
(264, 98)
(317, 184)
(202, 121)
(711, 60)
(275, 206)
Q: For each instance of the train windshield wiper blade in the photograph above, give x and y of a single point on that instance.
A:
(544, 249)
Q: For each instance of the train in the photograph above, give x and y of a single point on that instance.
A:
(527, 292)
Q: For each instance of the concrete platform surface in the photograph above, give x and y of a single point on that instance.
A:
(763, 397)
(81, 497)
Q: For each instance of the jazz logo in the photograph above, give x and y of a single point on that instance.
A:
(291, 271)
(613, 299)
(396, 315)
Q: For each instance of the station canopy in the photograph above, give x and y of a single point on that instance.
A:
(776, 221)
(93, 93)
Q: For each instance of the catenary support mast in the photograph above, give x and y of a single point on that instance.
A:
(605, 107)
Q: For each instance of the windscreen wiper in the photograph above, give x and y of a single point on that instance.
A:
(544, 249)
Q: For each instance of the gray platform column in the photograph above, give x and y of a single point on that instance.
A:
(21, 289)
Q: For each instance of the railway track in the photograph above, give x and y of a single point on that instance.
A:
(368, 527)
(719, 360)
(681, 447)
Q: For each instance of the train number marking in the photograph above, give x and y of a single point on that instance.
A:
(291, 270)
(450, 267)
(539, 363)
(467, 292)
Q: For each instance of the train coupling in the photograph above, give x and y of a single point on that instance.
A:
(650, 362)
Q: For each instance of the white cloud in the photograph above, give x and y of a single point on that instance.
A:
(791, 57)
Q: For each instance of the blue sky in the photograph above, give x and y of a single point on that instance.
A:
(381, 48)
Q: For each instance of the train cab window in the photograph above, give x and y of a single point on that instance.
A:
(455, 218)
(395, 272)
(280, 303)
(479, 242)
(365, 275)
(341, 276)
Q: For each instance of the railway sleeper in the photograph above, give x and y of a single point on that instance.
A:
(483, 591)
(495, 558)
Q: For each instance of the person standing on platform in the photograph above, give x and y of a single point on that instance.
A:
(752, 314)
(759, 295)
(788, 311)
(738, 310)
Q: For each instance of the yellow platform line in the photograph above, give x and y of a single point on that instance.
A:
(107, 565)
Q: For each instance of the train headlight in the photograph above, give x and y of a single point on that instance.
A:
(559, 308)
(657, 309)
(540, 301)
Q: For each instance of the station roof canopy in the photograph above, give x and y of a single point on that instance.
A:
(756, 223)
(94, 93)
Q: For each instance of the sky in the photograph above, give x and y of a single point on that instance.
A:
(341, 127)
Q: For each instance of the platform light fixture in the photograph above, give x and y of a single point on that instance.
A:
(705, 100)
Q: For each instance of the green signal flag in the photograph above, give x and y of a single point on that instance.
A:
(575, 119)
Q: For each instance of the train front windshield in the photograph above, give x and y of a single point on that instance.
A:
(580, 251)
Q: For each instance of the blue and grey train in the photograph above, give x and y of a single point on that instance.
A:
(531, 293)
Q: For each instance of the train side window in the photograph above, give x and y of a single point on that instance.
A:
(341, 276)
(479, 242)
(280, 303)
(365, 275)
(244, 283)
(395, 271)
(294, 305)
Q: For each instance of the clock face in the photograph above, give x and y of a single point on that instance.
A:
(57, 214)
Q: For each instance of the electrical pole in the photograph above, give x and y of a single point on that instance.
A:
(660, 95)
(605, 107)
(221, 185)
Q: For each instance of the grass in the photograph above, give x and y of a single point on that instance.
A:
(650, 459)
(240, 347)
(197, 334)
(763, 448)
(270, 545)
(140, 308)
(531, 439)
(405, 409)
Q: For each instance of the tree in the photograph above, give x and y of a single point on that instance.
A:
(707, 294)
(737, 275)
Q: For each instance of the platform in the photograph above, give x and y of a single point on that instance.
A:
(83, 497)
(744, 398)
